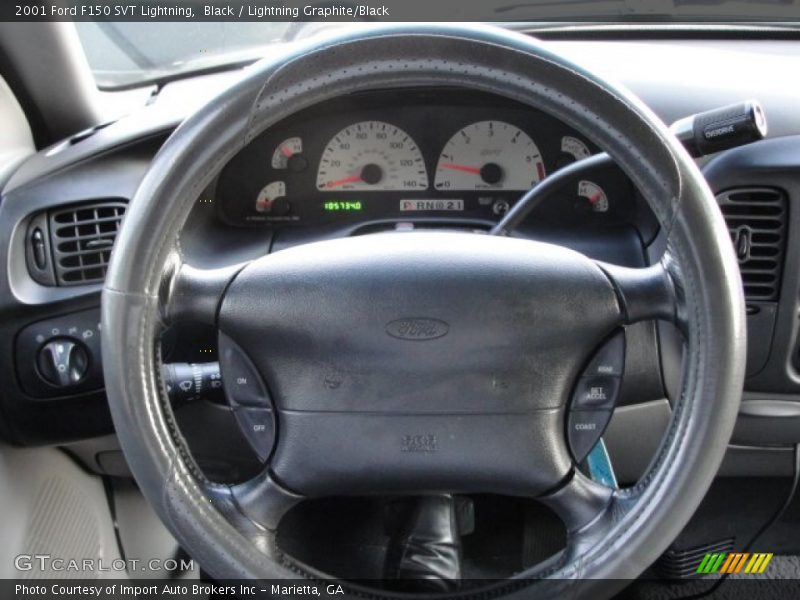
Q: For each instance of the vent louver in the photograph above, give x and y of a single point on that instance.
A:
(82, 237)
(756, 219)
(682, 564)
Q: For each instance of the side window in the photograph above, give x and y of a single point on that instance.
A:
(16, 143)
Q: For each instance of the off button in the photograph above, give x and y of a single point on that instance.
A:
(258, 426)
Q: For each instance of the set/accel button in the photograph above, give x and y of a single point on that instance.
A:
(595, 396)
(595, 393)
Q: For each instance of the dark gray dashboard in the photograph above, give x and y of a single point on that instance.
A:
(758, 188)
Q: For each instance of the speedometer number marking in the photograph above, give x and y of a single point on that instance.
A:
(371, 155)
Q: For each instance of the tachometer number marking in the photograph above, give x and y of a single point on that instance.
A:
(489, 155)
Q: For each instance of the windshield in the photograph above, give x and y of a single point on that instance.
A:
(124, 54)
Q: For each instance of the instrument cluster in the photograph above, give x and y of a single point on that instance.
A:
(408, 156)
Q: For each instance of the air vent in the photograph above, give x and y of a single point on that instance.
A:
(81, 238)
(682, 564)
(756, 219)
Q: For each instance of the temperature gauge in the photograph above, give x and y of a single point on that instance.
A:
(594, 195)
(288, 155)
(271, 199)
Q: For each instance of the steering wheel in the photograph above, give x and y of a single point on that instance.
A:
(413, 328)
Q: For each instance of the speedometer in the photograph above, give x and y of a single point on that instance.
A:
(371, 155)
(489, 155)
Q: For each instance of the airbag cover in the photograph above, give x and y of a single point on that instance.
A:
(420, 323)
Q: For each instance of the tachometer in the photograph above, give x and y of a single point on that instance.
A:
(489, 155)
(371, 155)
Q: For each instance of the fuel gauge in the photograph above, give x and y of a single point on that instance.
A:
(271, 199)
(593, 196)
(288, 155)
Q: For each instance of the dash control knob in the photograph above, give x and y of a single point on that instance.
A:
(63, 362)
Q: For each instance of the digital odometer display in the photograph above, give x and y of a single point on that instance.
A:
(342, 206)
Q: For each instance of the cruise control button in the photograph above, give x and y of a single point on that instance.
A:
(241, 380)
(584, 430)
(596, 393)
(258, 426)
(610, 359)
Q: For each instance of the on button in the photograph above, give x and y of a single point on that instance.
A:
(242, 382)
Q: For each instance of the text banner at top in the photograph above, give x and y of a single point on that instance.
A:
(395, 10)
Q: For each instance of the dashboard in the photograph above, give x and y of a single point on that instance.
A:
(419, 155)
(418, 158)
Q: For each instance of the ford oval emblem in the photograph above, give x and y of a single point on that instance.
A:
(417, 329)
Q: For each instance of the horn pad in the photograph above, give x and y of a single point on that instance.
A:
(421, 360)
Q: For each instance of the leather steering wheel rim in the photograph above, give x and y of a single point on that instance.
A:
(635, 525)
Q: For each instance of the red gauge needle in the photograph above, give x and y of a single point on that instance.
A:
(287, 152)
(344, 181)
(595, 197)
(465, 168)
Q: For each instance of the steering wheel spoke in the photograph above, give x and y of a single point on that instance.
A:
(193, 294)
(263, 500)
(646, 293)
(579, 503)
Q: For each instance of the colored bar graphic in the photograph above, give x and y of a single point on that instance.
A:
(711, 563)
(758, 563)
(734, 562)
(727, 566)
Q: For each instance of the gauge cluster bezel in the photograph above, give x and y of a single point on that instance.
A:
(428, 119)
